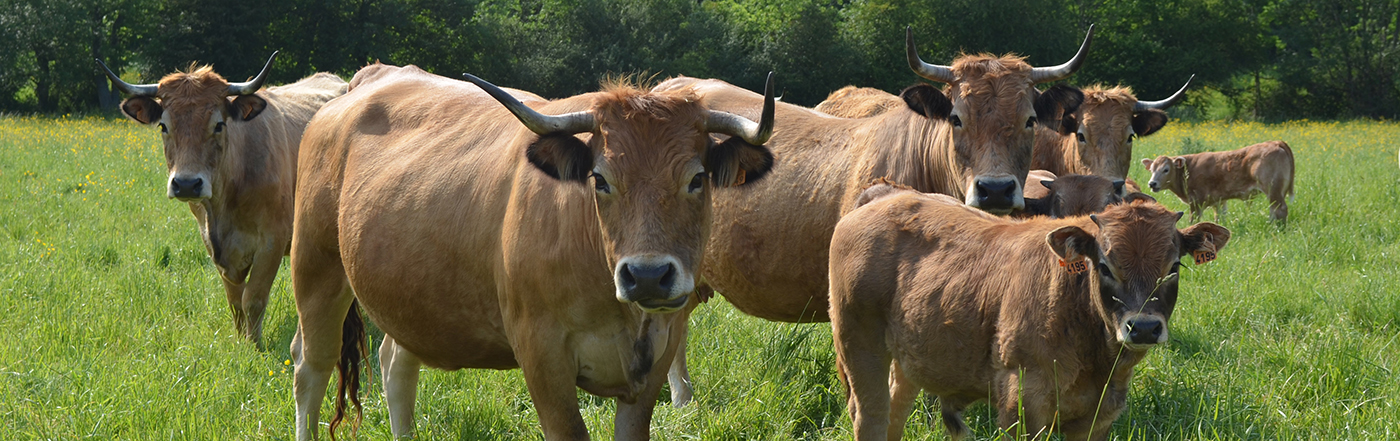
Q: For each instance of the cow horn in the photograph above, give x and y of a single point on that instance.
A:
(128, 88)
(252, 87)
(1164, 104)
(942, 74)
(735, 125)
(541, 124)
(1056, 73)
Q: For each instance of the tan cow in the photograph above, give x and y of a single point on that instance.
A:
(568, 246)
(1098, 138)
(859, 102)
(234, 162)
(768, 246)
(932, 296)
(1210, 179)
(1070, 195)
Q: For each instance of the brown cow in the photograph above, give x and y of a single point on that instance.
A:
(1210, 179)
(567, 247)
(234, 162)
(859, 102)
(1070, 195)
(1098, 138)
(768, 246)
(969, 307)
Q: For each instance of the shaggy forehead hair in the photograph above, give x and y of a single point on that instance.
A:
(1140, 235)
(628, 98)
(636, 118)
(194, 86)
(1002, 79)
(1098, 94)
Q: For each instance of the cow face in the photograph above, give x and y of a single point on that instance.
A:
(1079, 195)
(1135, 266)
(194, 114)
(1167, 172)
(652, 167)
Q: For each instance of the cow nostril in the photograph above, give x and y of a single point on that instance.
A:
(625, 275)
(668, 279)
(1144, 331)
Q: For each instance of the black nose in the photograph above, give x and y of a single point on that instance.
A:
(1144, 331)
(186, 188)
(1152, 185)
(996, 194)
(641, 281)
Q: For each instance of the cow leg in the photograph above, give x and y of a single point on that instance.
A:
(399, 370)
(1220, 212)
(1278, 206)
(952, 418)
(1019, 410)
(233, 290)
(679, 376)
(256, 291)
(864, 363)
(633, 420)
(323, 298)
(551, 373)
(903, 393)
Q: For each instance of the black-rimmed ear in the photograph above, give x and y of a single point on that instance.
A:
(1072, 243)
(1037, 207)
(1204, 236)
(247, 107)
(562, 157)
(1048, 184)
(1148, 121)
(1056, 104)
(1069, 124)
(927, 100)
(734, 162)
(142, 109)
(1138, 196)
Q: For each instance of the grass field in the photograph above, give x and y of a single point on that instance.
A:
(117, 328)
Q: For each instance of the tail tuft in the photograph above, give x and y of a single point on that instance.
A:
(353, 352)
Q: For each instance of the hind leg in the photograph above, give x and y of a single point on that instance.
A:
(323, 298)
(399, 370)
(903, 393)
(1278, 207)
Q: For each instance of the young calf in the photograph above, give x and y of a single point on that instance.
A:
(1041, 316)
(1070, 195)
(1209, 179)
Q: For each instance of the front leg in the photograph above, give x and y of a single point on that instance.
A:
(259, 287)
(1019, 409)
(551, 373)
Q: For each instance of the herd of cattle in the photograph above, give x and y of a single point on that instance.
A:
(482, 227)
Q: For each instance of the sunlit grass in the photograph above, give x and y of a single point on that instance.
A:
(118, 328)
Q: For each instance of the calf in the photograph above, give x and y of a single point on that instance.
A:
(1070, 195)
(1209, 179)
(1041, 316)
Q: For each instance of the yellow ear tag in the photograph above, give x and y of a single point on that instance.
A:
(1075, 267)
(1203, 256)
(739, 178)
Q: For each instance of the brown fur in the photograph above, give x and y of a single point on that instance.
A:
(1105, 121)
(931, 295)
(1210, 179)
(468, 255)
(1070, 195)
(859, 102)
(246, 222)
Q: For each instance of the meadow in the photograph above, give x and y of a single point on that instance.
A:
(116, 326)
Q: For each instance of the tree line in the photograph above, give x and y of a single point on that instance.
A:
(1265, 59)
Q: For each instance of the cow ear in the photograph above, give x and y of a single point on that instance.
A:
(562, 157)
(1147, 163)
(1118, 188)
(1138, 196)
(1148, 121)
(1202, 238)
(1072, 243)
(735, 162)
(1178, 162)
(142, 109)
(1069, 124)
(1037, 207)
(927, 100)
(1048, 184)
(247, 107)
(1058, 103)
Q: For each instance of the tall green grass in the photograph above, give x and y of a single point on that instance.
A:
(117, 327)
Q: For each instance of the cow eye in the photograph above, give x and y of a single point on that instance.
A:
(1079, 136)
(163, 129)
(1131, 137)
(696, 183)
(1105, 270)
(1030, 123)
(957, 122)
(219, 128)
(600, 184)
(1176, 267)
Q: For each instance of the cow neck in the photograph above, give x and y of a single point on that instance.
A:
(916, 152)
(1095, 346)
(244, 169)
(1180, 186)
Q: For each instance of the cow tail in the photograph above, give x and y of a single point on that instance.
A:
(353, 351)
(1291, 169)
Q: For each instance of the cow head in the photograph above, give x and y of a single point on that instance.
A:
(1135, 261)
(195, 110)
(1167, 172)
(1110, 120)
(652, 165)
(992, 106)
(1079, 195)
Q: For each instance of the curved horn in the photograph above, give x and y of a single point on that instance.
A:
(1164, 104)
(942, 74)
(541, 124)
(735, 125)
(1056, 73)
(252, 87)
(128, 88)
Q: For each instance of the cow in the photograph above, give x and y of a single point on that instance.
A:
(563, 238)
(231, 152)
(1070, 195)
(1098, 138)
(1210, 179)
(858, 102)
(932, 296)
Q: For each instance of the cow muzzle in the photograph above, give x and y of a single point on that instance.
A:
(1154, 185)
(657, 284)
(189, 188)
(996, 194)
(1141, 331)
